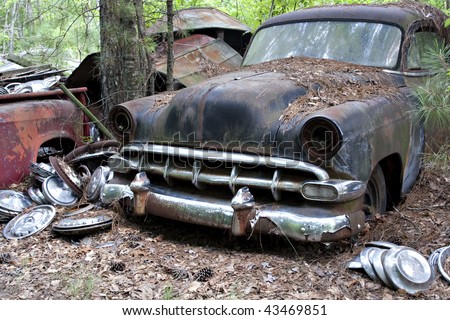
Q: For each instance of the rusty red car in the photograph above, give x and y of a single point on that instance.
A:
(314, 134)
(36, 125)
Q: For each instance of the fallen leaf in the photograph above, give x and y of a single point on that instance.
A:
(270, 278)
(195, 285)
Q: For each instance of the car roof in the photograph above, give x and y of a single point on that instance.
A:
(402, 15)
(196, 18)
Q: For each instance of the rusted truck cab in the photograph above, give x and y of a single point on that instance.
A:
(34, 126)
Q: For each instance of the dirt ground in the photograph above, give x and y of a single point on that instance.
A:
(161, 259)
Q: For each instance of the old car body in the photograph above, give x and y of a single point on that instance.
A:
(206, 21)
(314, 134)
(195, 58)
(207, 41)
(34, 126)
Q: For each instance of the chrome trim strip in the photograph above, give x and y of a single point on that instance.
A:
(410, 74)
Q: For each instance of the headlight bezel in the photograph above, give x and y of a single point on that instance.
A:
(121, 123)
(321, 138)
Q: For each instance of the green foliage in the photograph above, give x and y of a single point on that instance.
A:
(439, 159)
(81, 288)
(434, 95)
(49, 31)
(63, 32)
(168, 293)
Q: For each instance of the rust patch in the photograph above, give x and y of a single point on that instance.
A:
(161, 100)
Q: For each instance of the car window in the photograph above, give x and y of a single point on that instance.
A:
(421, 44)
(365, 43)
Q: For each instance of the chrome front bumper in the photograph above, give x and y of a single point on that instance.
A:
(243, 215)
(320, 209)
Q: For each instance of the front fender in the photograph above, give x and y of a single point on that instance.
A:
(372, 130)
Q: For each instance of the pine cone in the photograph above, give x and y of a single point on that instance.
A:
(6, 258)
(177, 273)
(134, 237)
(204, 274)
(118, 266)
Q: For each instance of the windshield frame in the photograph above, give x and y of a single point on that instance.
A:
(398, 26)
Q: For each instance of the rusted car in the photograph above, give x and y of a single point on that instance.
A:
(36, 125)
(205, 21)
(315, 133)
(207, 42)
(196, 58)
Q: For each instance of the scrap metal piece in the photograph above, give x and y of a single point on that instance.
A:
(306, 228)
(14, 201)
(355, 263)
(407, 269)
(67, 174)
(381, 244)
(57, 192)
(377, 263)
(198, 18)
(42, 169)
(112, 192)
(29, 223)
(33, 85)
(100, 149)
(443, 255)
(36, 195)
(96, 183)
(366, 260)
(6, 215)
(82, 209)
(83, 226)
(84, 173)
(434, 257)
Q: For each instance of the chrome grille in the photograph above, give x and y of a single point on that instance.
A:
(212, 167)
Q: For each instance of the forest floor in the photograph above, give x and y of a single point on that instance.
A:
(159, 259)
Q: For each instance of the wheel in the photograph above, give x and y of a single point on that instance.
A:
(375, 198)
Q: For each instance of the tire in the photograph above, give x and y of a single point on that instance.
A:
(375, 198)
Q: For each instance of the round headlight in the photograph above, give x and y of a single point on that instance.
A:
(121, 123)
(321, 138)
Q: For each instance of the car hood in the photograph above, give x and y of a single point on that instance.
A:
(249, 109)
(237, 108)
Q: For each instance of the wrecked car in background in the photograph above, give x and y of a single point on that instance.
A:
(207, 42)
(313, 135)
(36, 121)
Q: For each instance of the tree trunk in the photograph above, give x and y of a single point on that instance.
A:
(124, 67)
(170, 40)
(12, 29)
(272, 7)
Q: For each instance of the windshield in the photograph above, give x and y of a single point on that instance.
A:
(364, 43)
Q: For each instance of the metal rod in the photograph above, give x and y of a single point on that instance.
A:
(88, 113)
